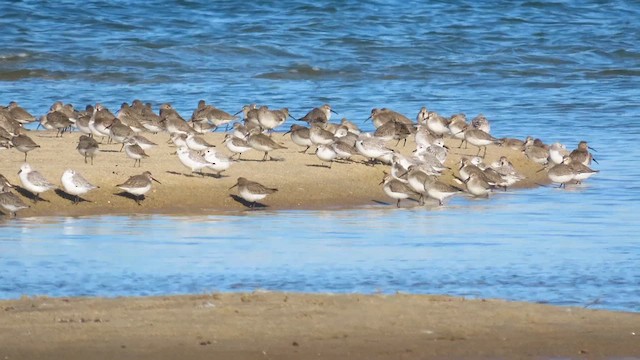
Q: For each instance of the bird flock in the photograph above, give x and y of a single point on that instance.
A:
(417, 176)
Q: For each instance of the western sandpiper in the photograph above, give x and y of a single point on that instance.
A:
(24, 144)
(252, 191)
(138, 185)
(87, 147)
(300, 136)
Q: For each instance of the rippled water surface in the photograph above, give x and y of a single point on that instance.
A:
(563, 71)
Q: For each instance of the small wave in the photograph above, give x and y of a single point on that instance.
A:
(300, 72)
(13, 75)
(613, 73)
(13, 56)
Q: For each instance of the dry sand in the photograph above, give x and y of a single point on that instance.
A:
(307, 326)
(302, 179)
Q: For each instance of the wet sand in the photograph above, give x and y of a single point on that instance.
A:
(304, 182)
(308, 326)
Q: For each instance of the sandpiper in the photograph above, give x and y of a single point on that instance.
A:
(219, 162)
(480, 122)
(344, 150)
(197, 143)
(458, 125)
(326, 153)
(438, 190)
(172, 121)
(24, 144)
(236, 145)
(397, 189)
(582, 154)
(535, 153)
(119, 132)
(10, 201)
(478, 186)
(129, 117)
(557, 152)
(33, 181)
(138, 185)
(351, 127)
(19, 114)
(562, 173)
(192, 160)
(143, 142)
(480, 139)
(262, 142)
(134, 151)
(320, 136)
(511, 143)
(300, 136)
(320, 114)
(252, 191)
(211, 114)
(75, 184)
(372, 148)
(582, 171)
(437, 124)
(382, 116)
(87, 147)
(422, 116)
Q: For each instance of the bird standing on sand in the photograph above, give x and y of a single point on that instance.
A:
(75, 184)
(10, 201)
(138, 185)
(252, 191)
(24, 144)
(87, 147)
(34, 181)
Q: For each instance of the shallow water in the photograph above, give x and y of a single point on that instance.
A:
(565, 71)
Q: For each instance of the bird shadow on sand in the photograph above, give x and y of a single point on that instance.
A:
(319, 166)
(250, 205)
(260, 160)
(200, 175)
(28, 194)
(69, 197)
(381, 202)
(125, 194)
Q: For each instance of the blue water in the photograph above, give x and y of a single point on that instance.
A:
(562, 71)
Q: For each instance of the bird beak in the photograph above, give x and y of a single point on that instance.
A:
(236, 184)
(365, 120)
(333, 111)
(156, 180)
(594, 160)
(291, 116)
(288, 132)
(19, 171)
(589, 147)
(445, 146)
(237, 113)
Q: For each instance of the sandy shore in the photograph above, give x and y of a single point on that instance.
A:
(302, 180)
(306, 326)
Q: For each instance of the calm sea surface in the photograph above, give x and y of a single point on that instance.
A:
(562, 71)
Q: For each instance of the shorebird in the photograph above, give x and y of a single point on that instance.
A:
(417, 178)
(143, 142)
(535, 153)
(422, 116)
(24, 144)
(172, 121)
(557, 152)
(10, 201)
(478, 186)
(438, 190)
(480, 122)
(562, 173)
(135, 152)
(514, 144)
(262, 142)
(300, 135)
(582, 171)
(510, 175)
(75, 184)
(19, 114)
(458, 125)
(351, 127)
(320, 136)
(320, 114)
(138, 185)
(396, 189)
(382, 116)
(82, 123)
(424, 137)
(192, 160)
(4, 183)
(326, 153)
(129, 117)
(480, 139)
(119, 132)
(197, 143)
(372, 148)
(252, 191)
(344, 150)
(87, 147)
(582, 154)
(438, 125)
(236, 145)
(210, 114)
(218, 162)
(33, 181)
